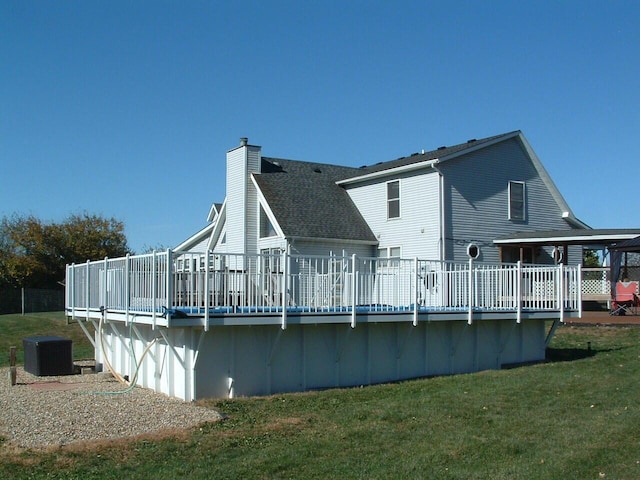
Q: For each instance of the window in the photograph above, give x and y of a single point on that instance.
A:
(389, 252)
(393, 199)
(266, 227)
(516, 201)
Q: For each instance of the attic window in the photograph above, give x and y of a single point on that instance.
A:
(516, 200)
(393, 199)
(266, 227)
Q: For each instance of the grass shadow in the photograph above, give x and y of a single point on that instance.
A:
(570, 354)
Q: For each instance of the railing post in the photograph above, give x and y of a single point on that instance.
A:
(207, 257)
(416, 279)
(104, 286)
(470, 296)
(87, 294)
(127, 288)
(154, 289)
(579, 290)
(285, 277)
(561, 291)
(519, 292)
(169, 284)
(354, 286)
(72, 293)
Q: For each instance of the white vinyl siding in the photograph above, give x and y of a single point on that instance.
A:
(417, 231)
(236, 200)
(317, 247)
(242, 201)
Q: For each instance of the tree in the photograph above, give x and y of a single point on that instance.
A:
(590, 258)
(34, 253)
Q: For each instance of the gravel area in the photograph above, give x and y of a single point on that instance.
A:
(54, 411)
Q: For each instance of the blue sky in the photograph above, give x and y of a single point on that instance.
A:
(126, 109)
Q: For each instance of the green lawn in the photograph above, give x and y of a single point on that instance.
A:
(577, 417)
(13, 328)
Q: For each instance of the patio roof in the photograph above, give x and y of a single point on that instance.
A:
(632, 245)
(604, 237)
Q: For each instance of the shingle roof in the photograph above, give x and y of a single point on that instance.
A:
(307, 203)
(440, 152)
(631, 245)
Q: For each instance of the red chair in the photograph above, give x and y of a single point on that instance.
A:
(625, 300)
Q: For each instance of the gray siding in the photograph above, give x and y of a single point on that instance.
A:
(476, 200)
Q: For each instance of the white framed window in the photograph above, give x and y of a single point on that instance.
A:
(517, 200)
(390, 252)
(393, 199)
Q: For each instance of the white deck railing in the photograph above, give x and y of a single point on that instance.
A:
(189, 283)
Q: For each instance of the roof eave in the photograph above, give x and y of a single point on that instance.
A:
(392, 171)
(332, 240)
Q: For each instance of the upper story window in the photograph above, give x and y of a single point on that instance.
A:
(516, 200)
(393, 199)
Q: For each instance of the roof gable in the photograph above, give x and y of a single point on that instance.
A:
(442, 153)
(307, 202)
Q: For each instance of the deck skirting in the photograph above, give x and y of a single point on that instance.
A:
(247, 360)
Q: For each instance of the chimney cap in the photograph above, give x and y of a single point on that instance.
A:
(244, 141)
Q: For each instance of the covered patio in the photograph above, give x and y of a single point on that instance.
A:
(596, 281)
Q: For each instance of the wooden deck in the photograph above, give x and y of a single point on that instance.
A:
(603, 318)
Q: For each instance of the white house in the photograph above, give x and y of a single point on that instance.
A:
(313, 275)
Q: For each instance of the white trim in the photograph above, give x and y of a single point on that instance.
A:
(219, 226)
(398, 199)
(195, 238)
(390, 171)
(576, 238)
(213, 213)
(262, 202)
(510, 208)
